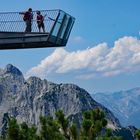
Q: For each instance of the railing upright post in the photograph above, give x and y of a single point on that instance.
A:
(61, 29)
(53, 27)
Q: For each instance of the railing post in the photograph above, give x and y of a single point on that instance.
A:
(53, 27)
(67, 31)
(61, 29)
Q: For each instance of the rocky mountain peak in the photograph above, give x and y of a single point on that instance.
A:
(11, 80)
(124, 104)
(27, 99)
(12, 69)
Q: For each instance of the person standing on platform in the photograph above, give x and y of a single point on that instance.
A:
(27, 17)
(40, 21)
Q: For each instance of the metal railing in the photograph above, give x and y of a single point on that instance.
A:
(58, 25)
(13, 21)
(62, 27)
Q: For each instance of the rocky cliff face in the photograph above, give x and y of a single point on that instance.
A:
(124, 104)
(27, 99)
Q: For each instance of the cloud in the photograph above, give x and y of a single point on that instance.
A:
(100, 60)
(86, 76)
(77, 40)
(139, 32)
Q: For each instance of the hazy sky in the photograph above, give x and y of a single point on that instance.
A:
(103, 51)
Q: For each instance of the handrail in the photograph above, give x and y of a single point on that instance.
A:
(58, 25)
(13, 21)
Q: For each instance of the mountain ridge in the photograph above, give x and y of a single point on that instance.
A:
(124, 104)
(27, 99)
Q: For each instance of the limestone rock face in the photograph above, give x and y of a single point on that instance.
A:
(28, 99)
(124, 104)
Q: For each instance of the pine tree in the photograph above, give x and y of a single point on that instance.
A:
(73, 132)
(93, 127)
(64, 123)
(33, 133)
(13, 130)
(50, 129)
(137, 134)
(24, 131)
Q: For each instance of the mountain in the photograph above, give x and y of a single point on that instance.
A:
(126, 132)
(26, 99)
(124, 104)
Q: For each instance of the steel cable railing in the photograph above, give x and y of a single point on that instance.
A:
(13, 21)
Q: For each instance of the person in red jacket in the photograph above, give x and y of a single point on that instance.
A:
(40, 21)
(27, 17)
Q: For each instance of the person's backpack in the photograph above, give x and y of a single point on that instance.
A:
(26, 16)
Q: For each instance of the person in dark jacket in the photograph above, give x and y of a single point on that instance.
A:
(40, 21)
(27, 17)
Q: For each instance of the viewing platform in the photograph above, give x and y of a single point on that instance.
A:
(58, 26)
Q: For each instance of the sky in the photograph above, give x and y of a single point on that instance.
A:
(103, 50)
